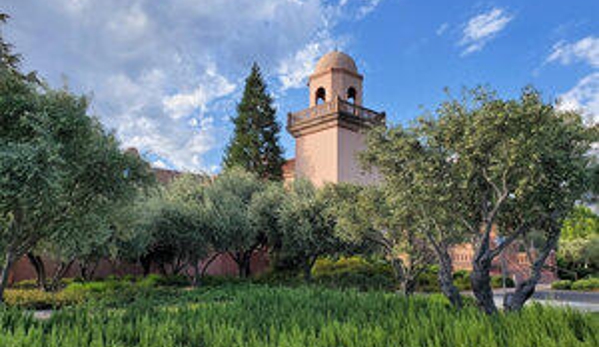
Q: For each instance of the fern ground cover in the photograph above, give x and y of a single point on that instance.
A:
(258, 315)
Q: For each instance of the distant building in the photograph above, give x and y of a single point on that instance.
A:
(330, 132)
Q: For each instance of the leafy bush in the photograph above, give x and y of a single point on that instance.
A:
(25, 284)
(562, 285)
(274, 277)
(353, 272)
(150, 281)
(36, 299)
(174, 281)
(589, 284)
(428, 281)
(461, 279)
(497, 282)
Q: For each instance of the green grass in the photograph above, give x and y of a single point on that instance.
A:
(256, 315)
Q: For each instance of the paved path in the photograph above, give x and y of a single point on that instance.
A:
(584, 301)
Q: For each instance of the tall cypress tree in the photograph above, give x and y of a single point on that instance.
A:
(255, 143)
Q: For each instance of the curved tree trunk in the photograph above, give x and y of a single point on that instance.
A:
(525, 289)
(40, 270)
(481, 284)
(446, 279)
(59, 274)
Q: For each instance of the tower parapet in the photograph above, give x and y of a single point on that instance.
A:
(337, 112)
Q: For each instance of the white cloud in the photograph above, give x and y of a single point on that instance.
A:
(160, 164)
(584, 97)
(586, 50)
(482, 28)
(359, 8)
(159, 70)
(442, 29)
(212, 86)
(294, 70)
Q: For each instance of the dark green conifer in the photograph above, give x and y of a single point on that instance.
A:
(255, 143)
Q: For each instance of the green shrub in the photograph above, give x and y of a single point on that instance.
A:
(215, 281)
(497, 282)
(278, 277)
(174, 281)
(353, 272)
(589, 284)
(562, 285)
(150, 281)
(97, 287)
(36, 299)
(25, 284)
(428, 281)
(461, 279)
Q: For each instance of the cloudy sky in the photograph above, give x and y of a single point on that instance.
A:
(166, 75)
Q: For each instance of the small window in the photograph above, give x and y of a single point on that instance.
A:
(320, 95)
(351, 94)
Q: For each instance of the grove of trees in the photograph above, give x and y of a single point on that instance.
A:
(479, 169)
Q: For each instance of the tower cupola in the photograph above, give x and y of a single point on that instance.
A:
(335, 76)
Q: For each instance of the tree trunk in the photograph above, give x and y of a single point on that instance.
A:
(399, 272)
(40, 270)
(4, 271)
(146, 265)
(525, 289)
(207, 264)
(446, 279)
(308, 269)
(247, 262)
(481, 284)
(243, 263)
(197, 274)
(409, 286)
(59, 274)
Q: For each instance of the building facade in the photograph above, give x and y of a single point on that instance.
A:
(331, 131)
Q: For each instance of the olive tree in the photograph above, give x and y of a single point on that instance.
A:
(175, 218)
(58, 167)
(419, 194)
(229, 213)
(371, 214)
(504, 167)
(307, 225)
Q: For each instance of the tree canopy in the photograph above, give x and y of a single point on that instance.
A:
(508, 167)
(60, 170)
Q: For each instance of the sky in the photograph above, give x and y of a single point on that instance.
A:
(166, 76)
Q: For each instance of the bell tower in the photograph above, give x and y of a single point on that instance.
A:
(330, 133)
(335, 76)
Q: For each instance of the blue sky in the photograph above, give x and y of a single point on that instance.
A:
(166, 75)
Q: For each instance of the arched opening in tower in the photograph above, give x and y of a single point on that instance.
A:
(320, 95)
(351, 95)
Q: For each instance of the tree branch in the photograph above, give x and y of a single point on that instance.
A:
(521, 230)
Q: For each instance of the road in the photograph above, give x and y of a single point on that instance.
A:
(584, 301)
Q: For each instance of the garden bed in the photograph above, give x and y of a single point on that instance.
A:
(260, 315)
